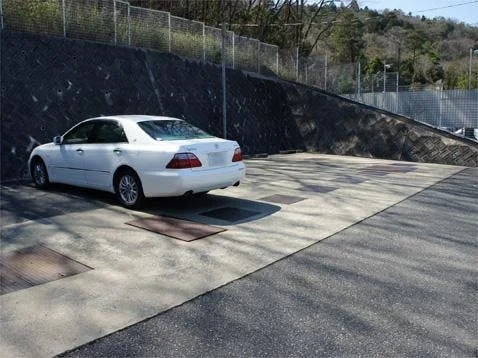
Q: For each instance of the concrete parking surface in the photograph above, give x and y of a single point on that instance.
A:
(138, 274)
(378, 288)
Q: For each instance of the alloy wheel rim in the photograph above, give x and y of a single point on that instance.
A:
(39, 174)
(128, 189)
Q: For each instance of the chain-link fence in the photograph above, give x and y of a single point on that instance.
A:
(188, 38)
(289, 64)
(117, 22)
(212, 38)
(268, 59)
(122, 23)
(246, 53)
(150, 29)
(451, 109)
(45, 17)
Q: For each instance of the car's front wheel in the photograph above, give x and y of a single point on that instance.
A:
(39, 174)
(129, 190)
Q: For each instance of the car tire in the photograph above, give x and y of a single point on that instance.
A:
(39, 174)
(129, 190)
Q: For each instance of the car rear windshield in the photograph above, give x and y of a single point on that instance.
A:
(172, 130)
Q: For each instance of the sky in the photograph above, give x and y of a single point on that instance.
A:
(467, 13)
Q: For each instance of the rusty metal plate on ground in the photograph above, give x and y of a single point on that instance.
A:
(318, 188)
(283, 199)
(230, 214)
(373, 172)
(349, 180)
(411, 165)
(395, 168)
(35, 265)
(176, 228)
(392, 168)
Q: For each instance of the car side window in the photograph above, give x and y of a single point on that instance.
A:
(79, 134)
(108, 132)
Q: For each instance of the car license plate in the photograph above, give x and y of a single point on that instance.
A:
(217, 159)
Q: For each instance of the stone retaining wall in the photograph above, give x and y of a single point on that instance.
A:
(48, 84)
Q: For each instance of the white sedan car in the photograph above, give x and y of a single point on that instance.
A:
(138, 156)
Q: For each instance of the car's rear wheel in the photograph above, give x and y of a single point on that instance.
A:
(129, 190)
(39, 174)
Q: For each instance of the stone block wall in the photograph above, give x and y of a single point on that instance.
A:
(48, 84)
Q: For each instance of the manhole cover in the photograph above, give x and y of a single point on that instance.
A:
(176, 228)
(283, 199)
(230, 214)
(33, 266)
(318, 188)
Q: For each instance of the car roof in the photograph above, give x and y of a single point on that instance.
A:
(135, 118)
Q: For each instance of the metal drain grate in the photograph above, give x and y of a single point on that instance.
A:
(373, 172)
(33, 266)
(387, 169)
(318, 188)
(349, 180)
(230, 214)
(283, 199)
(176, 228)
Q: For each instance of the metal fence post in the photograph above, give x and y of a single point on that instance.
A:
(203, 42)
(440, 107)
(169, 31)
(233, 50)
(64, 17)
(306, 67)
(325, 77)
(129, 26)
(469, 69)
(359, 84)
(384, 78)
(277, 60)
(259, 57)
(297, 64)
(223, 72)
(114, 20)
(398, 80)
(1, 14)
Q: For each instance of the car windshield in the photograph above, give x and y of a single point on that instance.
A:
(172, 130)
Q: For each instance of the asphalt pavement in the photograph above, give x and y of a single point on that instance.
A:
(402, 282)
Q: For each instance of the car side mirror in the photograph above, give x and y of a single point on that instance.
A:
(57, 139)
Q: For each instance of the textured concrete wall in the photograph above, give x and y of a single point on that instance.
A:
(330, 124)
(48, 84)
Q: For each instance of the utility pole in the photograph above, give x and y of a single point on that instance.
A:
(223, 57)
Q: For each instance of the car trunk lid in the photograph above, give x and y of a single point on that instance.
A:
(212, 152)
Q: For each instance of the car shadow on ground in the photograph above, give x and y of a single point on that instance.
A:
(23, 202)
(211, 208)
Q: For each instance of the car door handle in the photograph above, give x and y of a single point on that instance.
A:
(79, 151)
(117, 151)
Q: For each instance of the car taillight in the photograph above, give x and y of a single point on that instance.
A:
(237, 157)
(184, 160)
